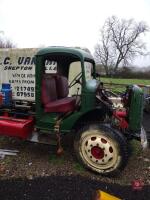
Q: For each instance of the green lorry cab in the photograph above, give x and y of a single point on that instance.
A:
(70, 100)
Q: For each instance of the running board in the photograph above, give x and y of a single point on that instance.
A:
(43, 138)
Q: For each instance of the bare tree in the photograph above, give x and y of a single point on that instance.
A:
(103, 50)
(120, 42)
(4, 42)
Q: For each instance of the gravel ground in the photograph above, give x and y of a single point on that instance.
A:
(36, 173)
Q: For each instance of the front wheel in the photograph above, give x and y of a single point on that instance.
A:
(101, 149)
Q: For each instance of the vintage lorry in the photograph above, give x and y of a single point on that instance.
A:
(69, 99)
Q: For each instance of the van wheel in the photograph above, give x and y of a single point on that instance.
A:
(101, 149)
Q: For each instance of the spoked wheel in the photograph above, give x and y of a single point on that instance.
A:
(101, 149)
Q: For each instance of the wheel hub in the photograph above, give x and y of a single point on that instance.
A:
(99, 151)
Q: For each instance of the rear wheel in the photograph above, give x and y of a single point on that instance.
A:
(101, 149)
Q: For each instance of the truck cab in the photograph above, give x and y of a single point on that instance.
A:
(69, 99)
(68, 88)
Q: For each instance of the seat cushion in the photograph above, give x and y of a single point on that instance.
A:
(61, 105)
(62, 87)
(49, 92)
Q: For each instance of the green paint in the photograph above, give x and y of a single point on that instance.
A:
(65, 56)
(136, 109)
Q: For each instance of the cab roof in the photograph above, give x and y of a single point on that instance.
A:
(82, 54)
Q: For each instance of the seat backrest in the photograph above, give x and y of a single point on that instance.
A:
(49, 92)
(62, 87)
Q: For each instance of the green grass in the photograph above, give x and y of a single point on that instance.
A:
(57, 160)
(121, 88)
(60, 160)
(78, 167)
(136, 148)
(126, 81)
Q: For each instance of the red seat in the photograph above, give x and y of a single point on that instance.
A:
(54, 94)
(49, 92)
(61, 105)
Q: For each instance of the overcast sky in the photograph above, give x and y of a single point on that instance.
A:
(33, 23)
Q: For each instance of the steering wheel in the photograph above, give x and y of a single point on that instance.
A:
(76, 80)
(103, 95)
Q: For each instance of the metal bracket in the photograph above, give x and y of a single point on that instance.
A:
(57, 126)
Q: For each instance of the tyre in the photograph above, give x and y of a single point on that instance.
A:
(101, 149)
